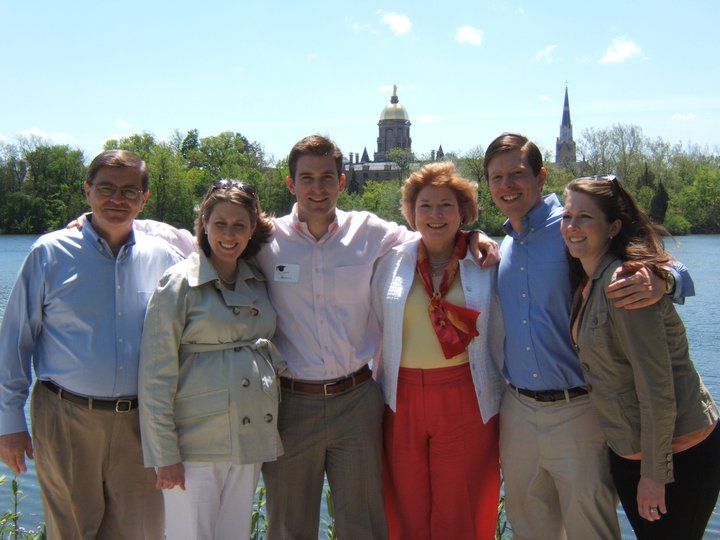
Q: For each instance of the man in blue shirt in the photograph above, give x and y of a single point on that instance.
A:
(554, 458)
(76, 311)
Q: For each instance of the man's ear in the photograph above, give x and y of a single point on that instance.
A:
(290, 184)
(342, 182)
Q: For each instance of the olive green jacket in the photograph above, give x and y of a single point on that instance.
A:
(642, 383)
(207, 381)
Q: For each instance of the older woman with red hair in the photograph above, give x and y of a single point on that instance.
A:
(439, 367)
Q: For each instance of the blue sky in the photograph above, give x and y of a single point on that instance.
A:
(80, 72)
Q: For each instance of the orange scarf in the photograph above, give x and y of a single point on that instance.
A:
(454, 325)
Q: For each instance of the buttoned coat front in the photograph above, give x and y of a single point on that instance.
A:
(207, 384)
(392, 281)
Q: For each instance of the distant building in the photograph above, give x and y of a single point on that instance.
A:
(393, 132)
(565, 153)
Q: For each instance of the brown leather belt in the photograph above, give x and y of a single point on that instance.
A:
(328, 388)
(120, 405)
(551, 395)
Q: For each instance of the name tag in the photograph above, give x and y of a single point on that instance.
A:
(289, 273)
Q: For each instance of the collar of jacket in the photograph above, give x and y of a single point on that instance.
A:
(201, 271)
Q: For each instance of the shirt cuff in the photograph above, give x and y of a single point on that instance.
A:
(12, 422)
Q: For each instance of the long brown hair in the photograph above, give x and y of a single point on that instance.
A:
(639, 241)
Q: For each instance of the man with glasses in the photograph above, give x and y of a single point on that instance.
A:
(76, 313)
(553, 455)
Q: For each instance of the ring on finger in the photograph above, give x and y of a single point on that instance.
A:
(654, 510)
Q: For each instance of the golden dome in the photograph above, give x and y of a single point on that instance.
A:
(394, 111)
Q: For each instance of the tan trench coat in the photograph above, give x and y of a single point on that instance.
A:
(207, 382)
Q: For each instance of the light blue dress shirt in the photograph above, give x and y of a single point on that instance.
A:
(77, 312)
(534, 288)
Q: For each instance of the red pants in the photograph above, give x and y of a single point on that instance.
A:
(441, 473)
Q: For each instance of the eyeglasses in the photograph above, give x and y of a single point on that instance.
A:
(109, 190)
(225, 183)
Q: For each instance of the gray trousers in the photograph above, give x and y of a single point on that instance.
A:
(339, 435)
(91, 473)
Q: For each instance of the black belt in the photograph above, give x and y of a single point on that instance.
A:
(120, 405)
(328, 388)
(551, 395)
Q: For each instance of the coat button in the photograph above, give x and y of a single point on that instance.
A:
(268, 417)
(245, 421)
(245, 383)
(254, 312)
(237, 310)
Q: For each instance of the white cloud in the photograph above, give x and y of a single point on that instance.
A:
(683, 117)
(57, 137)
(543, 97)
(621, 49)
(3, 137)
(240, 69)
(429, 118)
(361, 27)
(546, 54)
(521, 11)
(385, 88)
(122, 124)
(583, 60)
(397, 22)
(469, 34)
(311, 57)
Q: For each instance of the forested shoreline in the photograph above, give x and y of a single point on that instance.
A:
(41, 182)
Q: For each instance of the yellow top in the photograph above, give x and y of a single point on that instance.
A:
(421, 348)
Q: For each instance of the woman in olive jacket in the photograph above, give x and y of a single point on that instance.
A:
(659, 420)
(208, 388)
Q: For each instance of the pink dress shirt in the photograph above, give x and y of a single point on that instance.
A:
(321, 291)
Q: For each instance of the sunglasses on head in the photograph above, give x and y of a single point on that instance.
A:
(237, 184)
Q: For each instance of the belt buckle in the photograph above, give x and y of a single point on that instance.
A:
(325, 388)
(121, 409)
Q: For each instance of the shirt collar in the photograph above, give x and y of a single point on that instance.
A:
(536, 217)
(607, 260)
(301, 227)
(201, 271)
(98, 242)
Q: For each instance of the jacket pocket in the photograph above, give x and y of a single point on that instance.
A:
(203, 423)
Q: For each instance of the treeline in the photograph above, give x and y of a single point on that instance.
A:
(41, 183)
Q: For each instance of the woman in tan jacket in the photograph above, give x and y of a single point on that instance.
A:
(659, 420)
(208, 387)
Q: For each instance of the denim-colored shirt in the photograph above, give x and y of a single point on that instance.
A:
(534, 288)
(76, 313)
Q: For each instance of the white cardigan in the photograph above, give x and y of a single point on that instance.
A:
(391, 284)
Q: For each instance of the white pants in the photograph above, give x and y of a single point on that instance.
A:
(216, 504)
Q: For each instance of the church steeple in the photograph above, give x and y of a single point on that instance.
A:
(565, 153)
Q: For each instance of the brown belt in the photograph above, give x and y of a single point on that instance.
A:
(118, 405)
(328, 388)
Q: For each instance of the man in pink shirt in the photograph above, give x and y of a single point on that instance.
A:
(318, 266)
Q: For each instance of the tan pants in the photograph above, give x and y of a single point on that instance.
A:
(91, 474)
(556, 470)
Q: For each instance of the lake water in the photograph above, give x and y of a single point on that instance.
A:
(700, 313)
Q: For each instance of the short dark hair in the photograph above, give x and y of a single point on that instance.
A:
(443, 174)
(119, 158)
(507, 142)
(314, 145)
(249, 201)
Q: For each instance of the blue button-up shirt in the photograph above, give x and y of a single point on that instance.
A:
(77, 312)
(534, 288)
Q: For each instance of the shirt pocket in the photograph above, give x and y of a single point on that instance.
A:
(203, 423)
(352, 283)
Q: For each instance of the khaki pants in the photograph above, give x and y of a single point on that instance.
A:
(340, 435)
(91, 474)
(556, 470)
